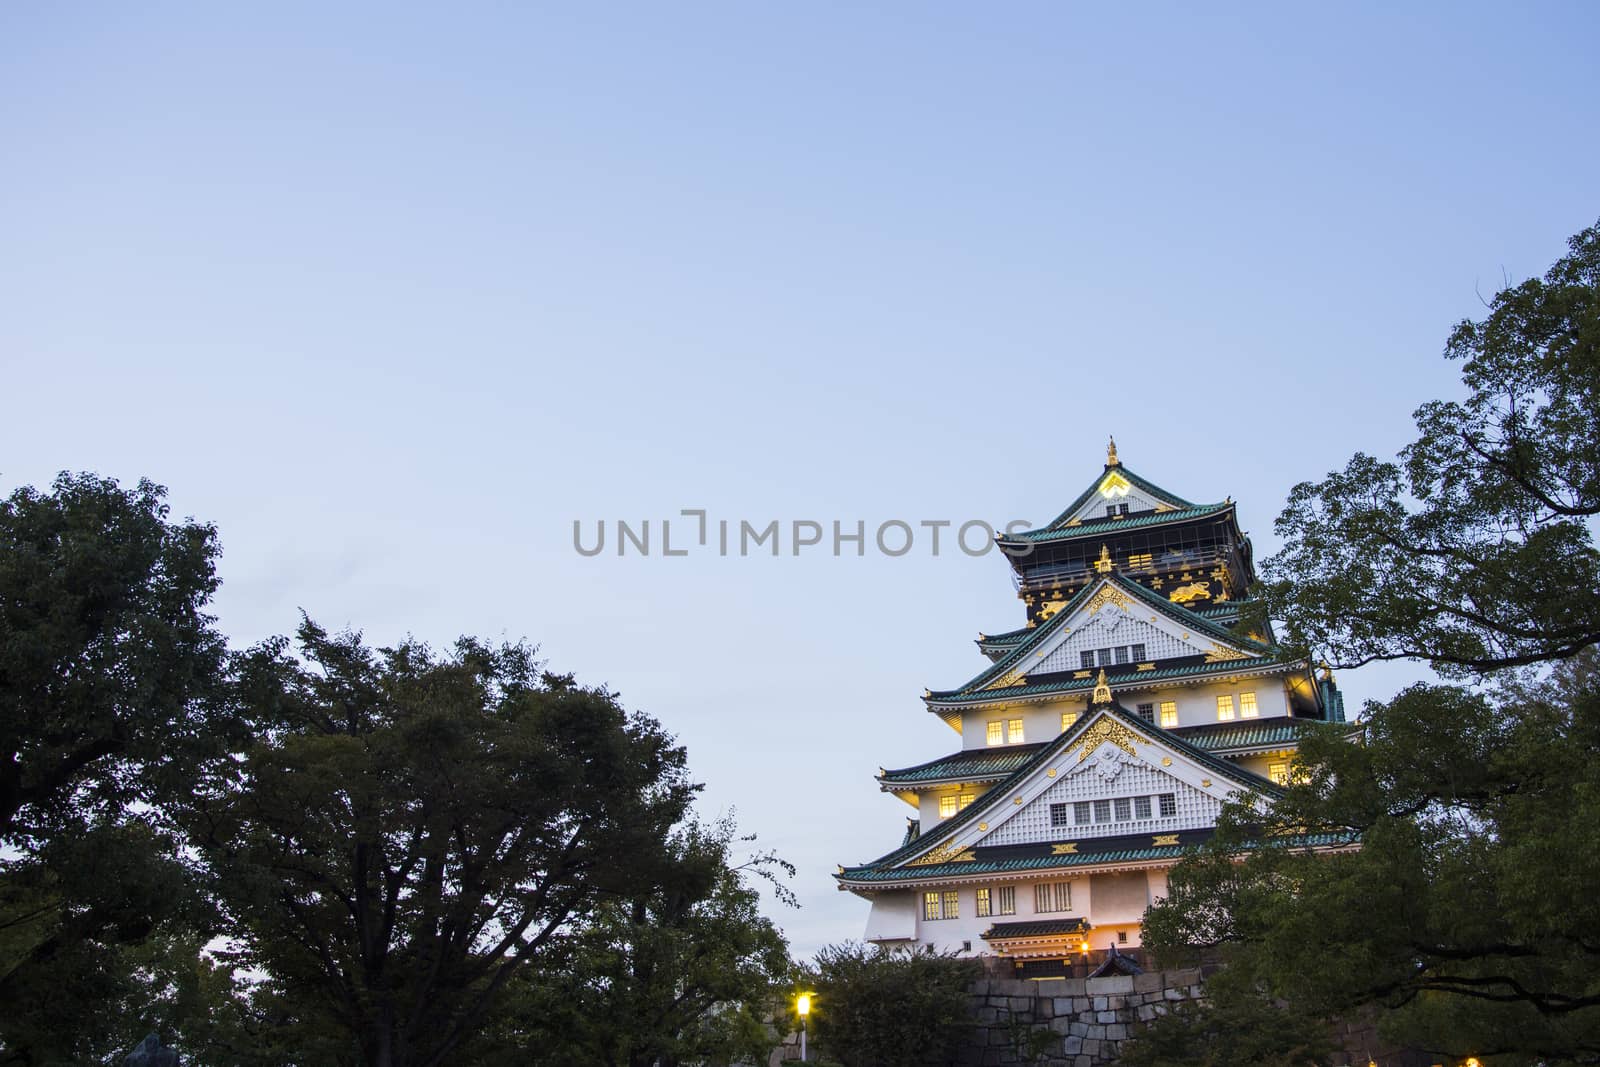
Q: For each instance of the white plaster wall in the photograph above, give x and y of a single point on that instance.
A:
(949, 934)
(893, 917)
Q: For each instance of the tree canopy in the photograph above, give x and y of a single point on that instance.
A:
(1475, 551)
(1461, 909)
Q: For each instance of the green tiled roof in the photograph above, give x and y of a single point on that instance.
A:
(874, 873)
(990, 801)
(966, 765)
(1040, 633)
(1100, 527)
(1036, 928)
(1224, 736)
(1094, 487)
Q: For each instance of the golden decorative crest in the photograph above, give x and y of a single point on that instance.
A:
(1068, 849)
(1114, 484)
(1107, 729)
(1108, 594)
(1193, 591)
(1224, 654)
(1164, 839)
(1102, 690)
(946, 853)
(1010, 678)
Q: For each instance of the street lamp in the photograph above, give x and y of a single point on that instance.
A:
(802, 1006)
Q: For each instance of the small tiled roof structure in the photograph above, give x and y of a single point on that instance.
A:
(1036, 928)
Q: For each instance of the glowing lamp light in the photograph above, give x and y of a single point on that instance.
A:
(1471, 1061)
(802, 1004)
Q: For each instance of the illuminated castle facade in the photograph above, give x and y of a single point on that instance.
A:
(1100, 742)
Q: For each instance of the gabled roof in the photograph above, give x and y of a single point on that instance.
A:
(1014, 660)
(1149, 487)
(983, 764)
(1100, 527)
(889, 866)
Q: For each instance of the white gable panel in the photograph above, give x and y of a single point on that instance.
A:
(1031, 823)
(1114, 627)
(1136, 499)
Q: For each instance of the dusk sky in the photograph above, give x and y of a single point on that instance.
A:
(396, 295)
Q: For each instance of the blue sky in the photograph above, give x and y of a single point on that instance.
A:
(395, 294)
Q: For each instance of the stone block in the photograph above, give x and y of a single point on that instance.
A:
(1063, 1005)
(1147, 983)
(1101, 1003)
(1175, 994)
(1082, 1004)
(1112, 983)
(1117, 1031)
(1072, 1046)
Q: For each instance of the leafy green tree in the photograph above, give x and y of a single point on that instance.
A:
(410, 830)
(1476, 550)
(1458, 899)
(111, 691)
(877, 1007)
(683, 972)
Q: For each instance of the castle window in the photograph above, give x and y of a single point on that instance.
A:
(968, 798)
(1068, 718)
(1086, 660)
(947, 806)
(1169, 713)
(1224, 707)
(1058, 815)
(1278, 771)
(1121, 653)
(996, 733)
(1247, 705)
(930, 906)
(952, 909)
(1147, 712)
(1080, 813)
(1169, 804)
(1138, 653)
(1102, 811)
(982, 910)
(1052, 896)
(1104, 655)
(1014, 731)
(1122, 936)
(1124, 810)
(1140, 560)
(1141, 807)
(1006, 899)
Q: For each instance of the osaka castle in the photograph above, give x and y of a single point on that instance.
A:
(1100, 742)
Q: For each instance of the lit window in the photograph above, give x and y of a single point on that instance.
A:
(947, 806)
(1140, 560)
(1102, 811)
(997, 733)
(930, 906)
(1058, 815)
(1052, 896)
(1006, 900)
(1080, 812)
(1141, 807)
(1169, 713)
(1068, 718)
(1124, 809)
(1278, 771)
(1169, 804)
(1014, 731)
(1224, 707)
(1247, 705)
(952, 910)
(1147, 712)
(968, 798)
(983, 902)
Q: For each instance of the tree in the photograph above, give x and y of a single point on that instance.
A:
(1453, 889)
(877, 1007)
(111, 691)
(1474, 552)
(683, 972)
(411, 830)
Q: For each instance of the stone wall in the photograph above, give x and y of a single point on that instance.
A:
(1068, 1022)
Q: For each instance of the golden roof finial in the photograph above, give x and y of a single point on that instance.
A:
(1102, 691)
(1104, 564)
(1111, 454)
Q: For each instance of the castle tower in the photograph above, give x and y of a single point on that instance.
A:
(1100, 742)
